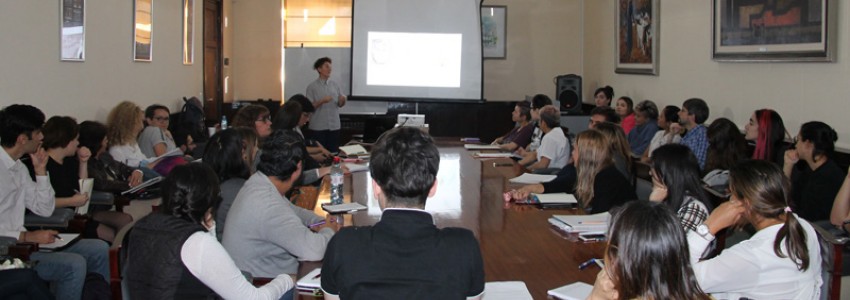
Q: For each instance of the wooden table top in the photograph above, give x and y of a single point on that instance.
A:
(517, 242)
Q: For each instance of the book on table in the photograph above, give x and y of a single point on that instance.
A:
(554, 200)
(312, 282)
(574, 291)
(591, 224)
(528, 178)
(352, 150)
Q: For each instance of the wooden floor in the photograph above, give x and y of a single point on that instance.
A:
(517, 243)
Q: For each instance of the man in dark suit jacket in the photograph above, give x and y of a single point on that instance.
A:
(403, 256)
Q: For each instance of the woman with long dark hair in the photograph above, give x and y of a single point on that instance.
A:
(646, 257)
(815, 177)
(676, 183)
(166, 244)
(780, 261)
(230, 153)
(726, 145)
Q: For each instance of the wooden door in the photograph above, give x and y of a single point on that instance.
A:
(213, 94)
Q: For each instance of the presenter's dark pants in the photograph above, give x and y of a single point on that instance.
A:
(328, 138)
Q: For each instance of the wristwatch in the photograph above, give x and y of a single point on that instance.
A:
(703, 231)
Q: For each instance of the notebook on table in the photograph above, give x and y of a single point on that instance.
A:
(311, 283)
(573, 291)
(555, 200)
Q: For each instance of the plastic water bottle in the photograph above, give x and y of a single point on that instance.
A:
(336, 182)
(223, 122)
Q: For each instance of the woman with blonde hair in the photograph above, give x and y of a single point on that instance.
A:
(621, 153)
(780, 261)
(125, 123)
(598, 184)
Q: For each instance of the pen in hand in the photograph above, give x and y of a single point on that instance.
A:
(590, 262)
(317, 224)
(58, 237)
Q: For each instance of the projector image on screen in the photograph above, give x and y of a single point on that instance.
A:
(414, 59)
(411, 120)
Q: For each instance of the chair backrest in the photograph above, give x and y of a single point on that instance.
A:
(831, 245)
(117, 257)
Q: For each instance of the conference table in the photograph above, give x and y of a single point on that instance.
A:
(517, 242)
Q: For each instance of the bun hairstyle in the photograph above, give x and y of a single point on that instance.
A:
(821, 135)
(189, 191)
(607, 90)
(766, 192)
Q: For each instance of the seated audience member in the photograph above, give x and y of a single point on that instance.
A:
(625, 109)
(155, 139)
(676, 182)
(646, 257)
(61, 143)
(781, 261)
(229, 154)
(125, 123)
(254, 116)
(603, 96)
(374, 262)
(23, 284)
(164, 245)
(599, 186)
(554, 151)
(20, 135)
(646, 126)
(520, 136)
(840, 214)
(109, 175)
(667, 117)
(288, 118)
(767, 130)
(726, 145)
(537, 102)
(620, 151)
(316, 150)
(693, 114)
(266, 234)
(602, 114)
(815, 177)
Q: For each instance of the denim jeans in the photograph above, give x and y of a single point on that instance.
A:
(68, 268)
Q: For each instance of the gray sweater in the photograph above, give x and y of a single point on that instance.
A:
(267, 235)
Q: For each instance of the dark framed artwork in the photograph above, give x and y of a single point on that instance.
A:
(773, 30)
(143, 30)
(637, 37)
(494, 31)
(72, 33)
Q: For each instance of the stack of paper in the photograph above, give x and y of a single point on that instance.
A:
(506, 290)
(555, 200)
(481, 147)
(354, 168)
(492, 154)
(590, 224)
(86, 186)
(311, 282)
(574, 291)
(355, 149)
(528, 178)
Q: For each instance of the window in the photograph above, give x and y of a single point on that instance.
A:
(317, 23)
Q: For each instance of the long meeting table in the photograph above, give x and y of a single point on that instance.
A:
(517, 242)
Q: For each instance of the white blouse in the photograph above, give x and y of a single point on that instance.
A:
(204, 256)
(751, 269)
(662, 138)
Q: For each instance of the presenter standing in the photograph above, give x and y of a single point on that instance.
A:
(327, 98)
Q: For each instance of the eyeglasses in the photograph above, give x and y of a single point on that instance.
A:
(161, 118)
(264, 119)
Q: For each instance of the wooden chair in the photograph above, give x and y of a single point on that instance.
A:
(117, 256)
(831, 248)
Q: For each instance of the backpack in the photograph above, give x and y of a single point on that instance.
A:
(189, 121)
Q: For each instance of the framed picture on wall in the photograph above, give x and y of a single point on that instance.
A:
(493, 31)
(188, 31)
(773, 30)
(73, 30)
(142, 30)
(637, 37)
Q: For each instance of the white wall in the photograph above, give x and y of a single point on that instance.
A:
(33, 74)
(800, 92)
(543, 41)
